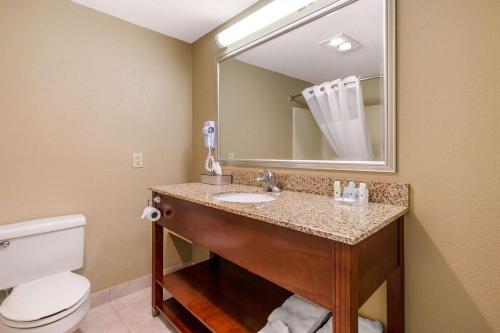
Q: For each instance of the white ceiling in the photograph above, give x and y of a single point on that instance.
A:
(186, 20)
(299, 55)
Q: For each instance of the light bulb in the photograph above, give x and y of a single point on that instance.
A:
(270, 13)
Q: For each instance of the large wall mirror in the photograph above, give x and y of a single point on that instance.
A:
(317, 93)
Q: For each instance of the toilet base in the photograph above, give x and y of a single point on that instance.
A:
(68, 324)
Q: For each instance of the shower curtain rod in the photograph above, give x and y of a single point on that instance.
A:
(293, 97)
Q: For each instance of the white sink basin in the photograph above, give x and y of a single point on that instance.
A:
(245, 197)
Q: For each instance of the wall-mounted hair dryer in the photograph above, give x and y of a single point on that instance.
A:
(210, 137)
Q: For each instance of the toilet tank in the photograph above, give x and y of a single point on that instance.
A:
(39, 248)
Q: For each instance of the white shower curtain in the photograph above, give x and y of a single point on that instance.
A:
(338, 108)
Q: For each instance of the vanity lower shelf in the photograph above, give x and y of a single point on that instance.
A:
(219, 296)
(181, 318)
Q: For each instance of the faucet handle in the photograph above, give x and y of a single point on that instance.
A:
(269, 174)
(269, 181)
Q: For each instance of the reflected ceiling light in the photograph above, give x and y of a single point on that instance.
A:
(345, 46)
(259, 19)
(340, 43)
(336, 41)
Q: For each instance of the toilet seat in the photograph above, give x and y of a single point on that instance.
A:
(44, 301)
(68, 324)
(45, 320)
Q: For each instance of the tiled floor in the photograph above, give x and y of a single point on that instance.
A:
(129, 314)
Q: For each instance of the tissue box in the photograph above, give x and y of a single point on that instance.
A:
(216, 179)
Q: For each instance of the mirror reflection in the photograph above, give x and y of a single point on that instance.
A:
(314, 93)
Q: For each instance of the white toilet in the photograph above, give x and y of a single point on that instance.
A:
(36, 260)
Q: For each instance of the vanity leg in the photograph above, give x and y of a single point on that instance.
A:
(157, 269)
(345, 288)
(395, 289)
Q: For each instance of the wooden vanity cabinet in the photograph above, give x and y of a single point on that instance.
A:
(257, 265)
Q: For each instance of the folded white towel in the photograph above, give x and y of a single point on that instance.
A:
(327, 328)
(369, 326)
(275, 327)
(300, 305)
(297, 323)
(364, 326)
(300, 315)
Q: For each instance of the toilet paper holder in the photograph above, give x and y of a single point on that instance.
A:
(165, 210)
(156, 200)
(152, 213)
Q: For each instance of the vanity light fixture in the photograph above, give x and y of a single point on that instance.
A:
(270, 13)
(340, 43)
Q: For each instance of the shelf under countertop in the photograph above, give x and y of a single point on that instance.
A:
(219, 296)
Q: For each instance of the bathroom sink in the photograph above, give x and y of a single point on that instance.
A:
(245, 197)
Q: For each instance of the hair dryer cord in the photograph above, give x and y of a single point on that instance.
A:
(210, 162)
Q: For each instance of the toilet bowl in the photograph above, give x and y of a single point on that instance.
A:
(39, 255)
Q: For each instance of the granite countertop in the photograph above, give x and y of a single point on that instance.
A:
(313, 214)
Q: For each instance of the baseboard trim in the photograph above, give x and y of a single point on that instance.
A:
(128, 287)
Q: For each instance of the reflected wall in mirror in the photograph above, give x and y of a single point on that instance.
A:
(319, 95)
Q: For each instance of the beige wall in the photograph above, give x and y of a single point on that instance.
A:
(308, 141)
(448, 138)
(373, 91)
(257, 98)
(80, 92)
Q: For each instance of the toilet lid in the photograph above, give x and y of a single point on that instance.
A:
(44, 297)
(46, 320)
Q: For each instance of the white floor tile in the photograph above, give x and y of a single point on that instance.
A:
(143, 294)
(136, 313)
(130, 313)
(108, 323)
(99, 311)
(153, 326)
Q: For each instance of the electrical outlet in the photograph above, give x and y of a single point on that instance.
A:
(230, 156)
(137, 160)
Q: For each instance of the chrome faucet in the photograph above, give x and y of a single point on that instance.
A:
(269, 182)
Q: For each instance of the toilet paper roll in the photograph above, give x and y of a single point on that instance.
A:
(151, 213)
